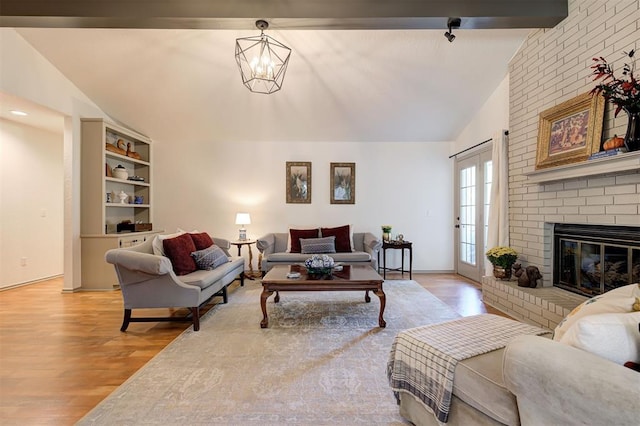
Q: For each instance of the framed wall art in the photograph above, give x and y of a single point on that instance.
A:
(570, 132)
(343, 183)
(298, 182)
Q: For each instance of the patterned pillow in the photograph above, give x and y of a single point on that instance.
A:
(210, 258)
(318, 245)
(178, 251)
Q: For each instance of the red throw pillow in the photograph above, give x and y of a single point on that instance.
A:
(343, 237)
(202, 240)
(179, 250)
(296, 234)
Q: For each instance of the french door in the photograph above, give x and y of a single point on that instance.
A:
(473, 189)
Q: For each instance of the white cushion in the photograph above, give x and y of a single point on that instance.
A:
(631, 290)
(596, 305)
(611, 336)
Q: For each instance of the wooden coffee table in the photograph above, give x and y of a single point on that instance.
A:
(351, 278)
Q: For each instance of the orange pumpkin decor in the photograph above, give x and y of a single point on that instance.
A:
(613, 143)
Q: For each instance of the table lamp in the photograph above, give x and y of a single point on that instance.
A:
(243, 219)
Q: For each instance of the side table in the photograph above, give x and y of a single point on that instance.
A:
(239, 244)
(395, 245)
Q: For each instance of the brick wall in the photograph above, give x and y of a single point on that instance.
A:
(552, 66)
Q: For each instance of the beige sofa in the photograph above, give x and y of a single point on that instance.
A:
(273, 250)
(148, 281)
(578, 378)
(537, 381)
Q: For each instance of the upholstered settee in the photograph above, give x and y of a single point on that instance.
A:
(149, 280)
(580, 377)
(286, 248)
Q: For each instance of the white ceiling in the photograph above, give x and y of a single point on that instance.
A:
(37, 116)
(341, 85)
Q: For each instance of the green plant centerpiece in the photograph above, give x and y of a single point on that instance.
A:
(502, 258)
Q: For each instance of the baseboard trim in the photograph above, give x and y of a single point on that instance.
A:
(39, 280)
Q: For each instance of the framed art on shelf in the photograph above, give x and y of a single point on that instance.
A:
(298, 182)
(343, 183)
(570, 132)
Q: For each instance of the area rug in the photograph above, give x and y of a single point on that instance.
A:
(322, 361)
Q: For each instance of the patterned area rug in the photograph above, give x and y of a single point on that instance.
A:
(322, 361)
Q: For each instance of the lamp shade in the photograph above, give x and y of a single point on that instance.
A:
(243, 219)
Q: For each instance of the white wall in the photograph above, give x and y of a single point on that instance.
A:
(25, 73)
(491, 118)
(31, 203)
(201, 185)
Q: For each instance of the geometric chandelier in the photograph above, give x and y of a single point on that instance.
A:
(262, 61)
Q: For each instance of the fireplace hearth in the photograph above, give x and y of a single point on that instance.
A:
(593, 259)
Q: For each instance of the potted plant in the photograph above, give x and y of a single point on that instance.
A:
(386, 232)
(502, 259)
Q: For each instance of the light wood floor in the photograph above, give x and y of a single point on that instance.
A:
(61, 354)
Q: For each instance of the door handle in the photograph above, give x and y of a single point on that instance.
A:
(458, 226)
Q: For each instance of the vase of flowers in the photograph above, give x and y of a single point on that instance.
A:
(502, 259)
(386, 232)
(319, 266)
(623, 92)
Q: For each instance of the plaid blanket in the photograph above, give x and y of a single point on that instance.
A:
(423, 359)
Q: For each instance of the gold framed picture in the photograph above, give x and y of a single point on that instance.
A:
(570, 132)
(343, 183)
(298, 182)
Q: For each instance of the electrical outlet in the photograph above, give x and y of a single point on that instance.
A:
(23, 261)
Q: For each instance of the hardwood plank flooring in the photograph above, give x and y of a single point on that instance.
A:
(61, 354)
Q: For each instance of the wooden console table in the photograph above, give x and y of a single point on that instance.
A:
(395, 245)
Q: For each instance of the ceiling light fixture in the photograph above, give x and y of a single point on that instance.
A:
(452, 23)
(18, 112)
(262, 61)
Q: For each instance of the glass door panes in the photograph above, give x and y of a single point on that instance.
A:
(590, 268)
(467, 248)
(616, 267)
(568, 270)
(635, 265)
(473, 189)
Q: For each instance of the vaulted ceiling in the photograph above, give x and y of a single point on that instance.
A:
(391, 79)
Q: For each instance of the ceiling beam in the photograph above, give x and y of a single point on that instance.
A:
(282, 14)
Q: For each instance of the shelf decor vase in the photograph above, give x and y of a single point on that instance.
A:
(502, 273)
(632, 137)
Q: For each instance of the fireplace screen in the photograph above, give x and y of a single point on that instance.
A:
(591, 260)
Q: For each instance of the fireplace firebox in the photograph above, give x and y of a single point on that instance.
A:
(593, 259)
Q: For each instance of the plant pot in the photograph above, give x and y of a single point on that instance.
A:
(502, 273)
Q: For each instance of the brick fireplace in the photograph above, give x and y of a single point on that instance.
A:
(552, 66)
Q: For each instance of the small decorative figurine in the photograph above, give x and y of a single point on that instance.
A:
(527, 277)
(123, 197)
